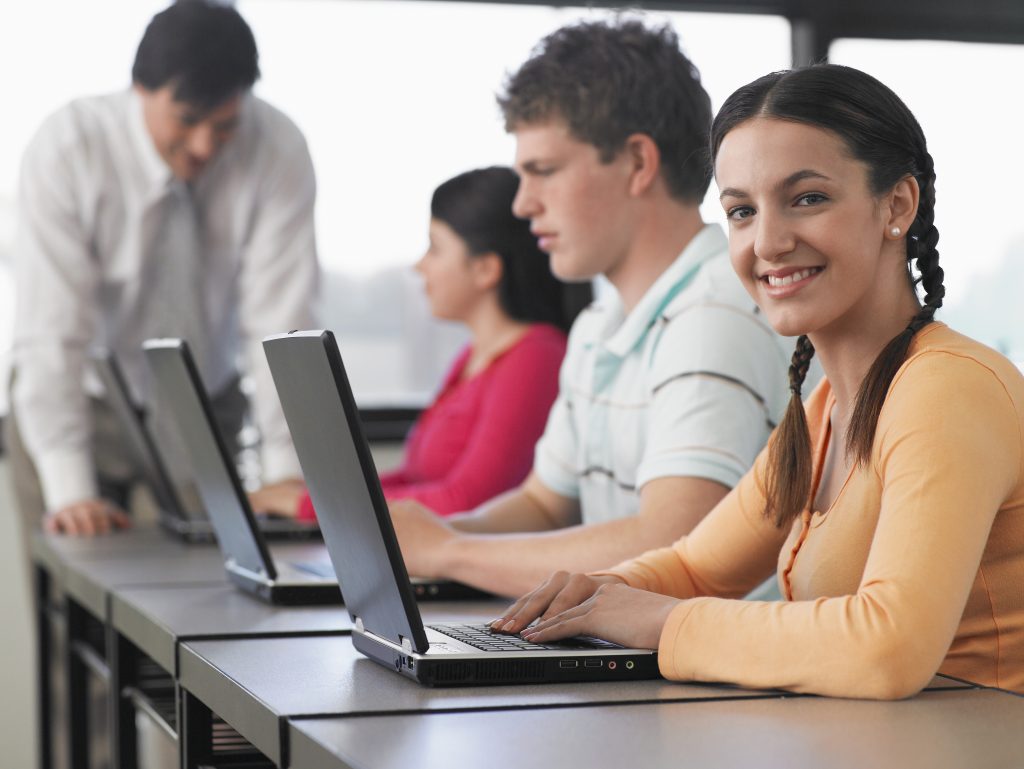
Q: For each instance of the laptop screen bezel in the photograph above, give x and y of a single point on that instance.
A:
(286, 354)
(162, 352)
(131, 418)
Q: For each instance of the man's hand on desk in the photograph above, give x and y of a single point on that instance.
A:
(87, 518)
(280, 498)
(423, 537)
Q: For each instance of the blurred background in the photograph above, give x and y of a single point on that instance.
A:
(394, 96)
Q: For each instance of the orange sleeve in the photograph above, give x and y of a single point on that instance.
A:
(947, 453)
(729, 553)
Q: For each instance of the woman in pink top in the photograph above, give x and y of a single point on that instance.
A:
(891, 503)
(483, 269)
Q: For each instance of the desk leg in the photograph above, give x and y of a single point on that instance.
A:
(45, 647)
(77, 688)
(195, 731)
(123, 667)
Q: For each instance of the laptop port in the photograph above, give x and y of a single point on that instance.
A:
(568, 663)
(593, 663)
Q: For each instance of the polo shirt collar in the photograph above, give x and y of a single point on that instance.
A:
(622, 337)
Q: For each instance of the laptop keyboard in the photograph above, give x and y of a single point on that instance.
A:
(483, 638)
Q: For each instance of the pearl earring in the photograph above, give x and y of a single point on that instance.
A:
(895, 232)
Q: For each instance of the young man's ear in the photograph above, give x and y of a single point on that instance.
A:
(644, 162)
(487, 270)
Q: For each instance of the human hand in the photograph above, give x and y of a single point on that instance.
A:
(560, 592)
(280, 498)
(423, 537)
(576, 604)
(86, 518)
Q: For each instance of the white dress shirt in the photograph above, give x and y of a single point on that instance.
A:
(91, 187)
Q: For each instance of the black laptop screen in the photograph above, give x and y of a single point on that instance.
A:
(343, 484)
(181, 389)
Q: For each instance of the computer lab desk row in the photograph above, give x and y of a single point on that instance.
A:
(139, 629)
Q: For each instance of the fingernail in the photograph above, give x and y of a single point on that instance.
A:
(508, 625)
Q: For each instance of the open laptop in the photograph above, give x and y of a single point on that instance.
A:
(247, 559)
(180, 509)
(324, 422)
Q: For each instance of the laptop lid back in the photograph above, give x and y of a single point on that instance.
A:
(130, 417)
(324, 422)
(178, 381)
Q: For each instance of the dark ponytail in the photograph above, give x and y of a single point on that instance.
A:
(477, 205)
(880, 131)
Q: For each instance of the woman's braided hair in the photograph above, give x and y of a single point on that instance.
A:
(880, 131)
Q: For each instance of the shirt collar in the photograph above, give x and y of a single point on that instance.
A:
(155, 171)
(622, 335)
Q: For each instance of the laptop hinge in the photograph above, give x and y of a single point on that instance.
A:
(406, 644)
(235, 566)
(359, 625)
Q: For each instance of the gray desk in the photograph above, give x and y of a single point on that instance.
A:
(70, 625)
(156, 620)
(952, 729)
(52, 554)
(149, 623)
(77, 579)
(255, 685)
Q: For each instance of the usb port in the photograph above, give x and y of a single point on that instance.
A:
(568, 663)
(593, 663)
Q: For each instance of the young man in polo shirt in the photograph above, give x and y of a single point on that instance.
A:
(672, 383)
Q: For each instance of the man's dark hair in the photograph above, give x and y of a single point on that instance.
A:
(611, 80)
(203, 49)
(477, 205)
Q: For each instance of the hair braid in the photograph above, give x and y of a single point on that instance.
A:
(924, 239)
(789, 457)
(921, 246)
(878, 130)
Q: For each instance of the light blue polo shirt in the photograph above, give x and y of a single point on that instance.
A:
(690, 383)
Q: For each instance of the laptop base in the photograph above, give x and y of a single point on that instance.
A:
(200, 531)
(444, 590)
(496, 669)
(287, 594)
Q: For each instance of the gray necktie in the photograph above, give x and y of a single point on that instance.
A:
(175, 306)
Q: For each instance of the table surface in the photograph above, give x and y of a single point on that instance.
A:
(951, 729)
(90, 569)
(156, 619)
(255, 683)
(258, 666)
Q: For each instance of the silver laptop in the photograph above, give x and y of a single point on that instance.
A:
(247, 559)
(346, 492)
(180, 509)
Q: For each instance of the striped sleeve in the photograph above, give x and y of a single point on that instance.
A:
(713, 380)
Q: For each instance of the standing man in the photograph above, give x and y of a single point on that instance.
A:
(671, 385)
(182, 206)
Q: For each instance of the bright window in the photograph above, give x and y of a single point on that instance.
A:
(394, 97)
(972, 118)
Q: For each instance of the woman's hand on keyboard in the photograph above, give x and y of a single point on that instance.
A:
(603, 607)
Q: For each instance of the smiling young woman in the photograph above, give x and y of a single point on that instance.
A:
(891, 503)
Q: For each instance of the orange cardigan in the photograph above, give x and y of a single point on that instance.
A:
(917, 567)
